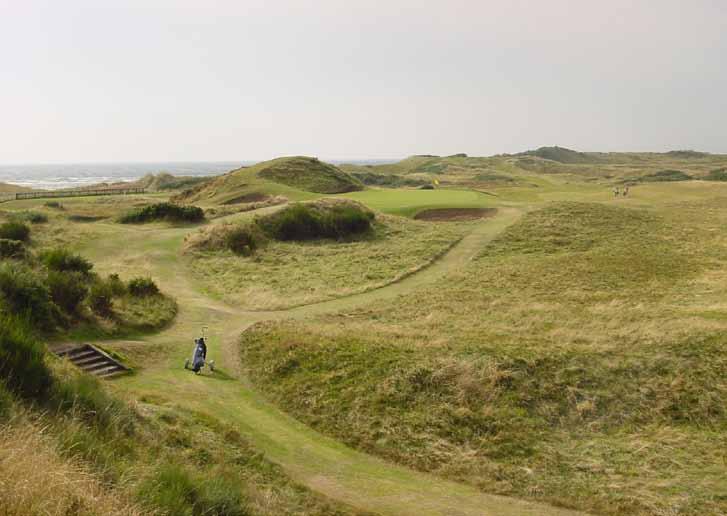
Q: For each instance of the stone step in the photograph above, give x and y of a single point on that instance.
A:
(92, 360)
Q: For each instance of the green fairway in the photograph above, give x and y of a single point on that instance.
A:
(409, 202)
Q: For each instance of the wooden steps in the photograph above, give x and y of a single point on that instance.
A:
(92, 360)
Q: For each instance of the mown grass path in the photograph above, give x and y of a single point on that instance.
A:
(321, 463)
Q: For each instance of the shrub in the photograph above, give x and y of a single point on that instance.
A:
(142, 287)
(244, 240)
(100, 299)
(666, 175)
(719, 174)
(26, 295)
(33, 217)
(163, 211)
(54, 204)
(11, 249)
(63, 260)
(343, 220)
(116, 285)
(311, 221)
(15, 231)
(67, 289)
(22, 366)
(296, 222)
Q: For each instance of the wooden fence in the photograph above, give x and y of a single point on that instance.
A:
(52, 194)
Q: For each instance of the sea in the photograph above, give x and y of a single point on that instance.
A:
(58, 176)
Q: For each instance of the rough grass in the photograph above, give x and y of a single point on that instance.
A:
(38, 479)
(586, 367)
(283, 274)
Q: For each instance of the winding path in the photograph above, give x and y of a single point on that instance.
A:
(321, 463)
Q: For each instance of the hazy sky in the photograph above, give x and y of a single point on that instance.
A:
(229, 80)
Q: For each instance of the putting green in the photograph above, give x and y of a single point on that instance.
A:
(410, 202)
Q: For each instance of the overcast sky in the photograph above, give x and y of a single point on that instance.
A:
(235, 80)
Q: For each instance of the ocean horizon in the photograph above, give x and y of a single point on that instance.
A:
(57, 176)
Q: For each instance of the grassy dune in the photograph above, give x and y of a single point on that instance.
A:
(585, 368)
(297, 178)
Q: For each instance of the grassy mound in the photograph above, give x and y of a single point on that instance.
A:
(164, 211)
(310, 175)
(286, 273)
(164, 182)
(553, 367)
(665, 176)
(337, 219)
(297, 178)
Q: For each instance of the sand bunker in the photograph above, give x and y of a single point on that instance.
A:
(455, 214)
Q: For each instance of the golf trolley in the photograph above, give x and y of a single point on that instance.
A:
(199, 355)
